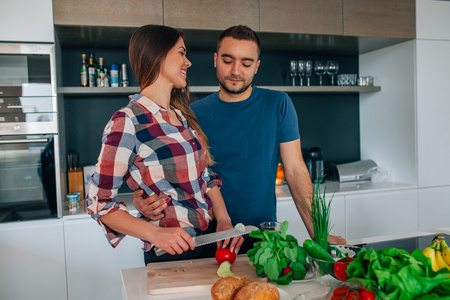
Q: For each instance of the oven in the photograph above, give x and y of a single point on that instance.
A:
(28, 189)
(29, 145)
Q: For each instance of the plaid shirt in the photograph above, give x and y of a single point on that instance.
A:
(141, 146)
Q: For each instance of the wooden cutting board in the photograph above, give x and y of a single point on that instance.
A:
(193, 275)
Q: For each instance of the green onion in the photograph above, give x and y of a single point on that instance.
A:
(320, 215)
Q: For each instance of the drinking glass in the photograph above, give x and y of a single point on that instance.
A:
(332, 69)
(270, 226)
(320, 68)
(293, 71)
(301, 70)
(308, 70)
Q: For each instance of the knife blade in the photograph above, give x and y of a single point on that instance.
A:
(214, 237)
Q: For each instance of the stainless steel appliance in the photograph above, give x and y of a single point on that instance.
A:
(29, 146)
(356, 171)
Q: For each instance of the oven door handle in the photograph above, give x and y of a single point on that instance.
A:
(21, 106)
(24, 141)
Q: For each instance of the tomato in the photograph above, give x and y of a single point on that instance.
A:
(287, 270)
(347, 293)
(224, 254)
(365, 294)
(353, 295)
(340, 268)
(341, 291)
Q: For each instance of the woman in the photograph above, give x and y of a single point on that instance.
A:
(156, 145)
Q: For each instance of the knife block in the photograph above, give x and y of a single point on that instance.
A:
(76, 182)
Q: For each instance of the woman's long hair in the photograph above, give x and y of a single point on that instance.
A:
(149, 46)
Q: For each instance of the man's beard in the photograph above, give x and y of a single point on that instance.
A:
(239, 91)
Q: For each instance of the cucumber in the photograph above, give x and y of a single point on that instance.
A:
(316, 251)
(225, 270)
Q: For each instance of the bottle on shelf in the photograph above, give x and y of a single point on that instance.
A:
(123, 75)
(91, 70)
(102, 80)
(84, 77)
(114, 75)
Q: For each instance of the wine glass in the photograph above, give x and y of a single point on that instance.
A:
(308, 70)
(301, 70)
(320, 68)
(293, 71)
(332, 69)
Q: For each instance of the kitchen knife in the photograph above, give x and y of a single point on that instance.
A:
(214, 237)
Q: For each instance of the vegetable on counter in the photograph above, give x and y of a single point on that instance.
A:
(276, 253)
(340, 268)
(224, 254)
(320, 216)
(316, 251)
(224, 270)
(348, 293)
(399, 275)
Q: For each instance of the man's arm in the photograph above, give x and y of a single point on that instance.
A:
(300, 185)
(298, 179)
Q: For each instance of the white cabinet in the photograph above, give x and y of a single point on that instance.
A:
(26, 21)
(434, 208)
(433, 105)
(432, 20)
(32, 262)
(93, 266)
(433, 111)
(382, 213)
(286, 211)
(338, 215)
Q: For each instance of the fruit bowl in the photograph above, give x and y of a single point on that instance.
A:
(335, 268)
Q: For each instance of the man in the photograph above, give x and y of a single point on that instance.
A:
(249, 129)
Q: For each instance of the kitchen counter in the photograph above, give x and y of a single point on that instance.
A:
(347, 188)
(134, 287)
(134, 281)
(282, 193)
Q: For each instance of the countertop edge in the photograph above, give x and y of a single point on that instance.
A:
(331, 188)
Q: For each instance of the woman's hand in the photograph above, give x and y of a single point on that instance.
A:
(173, 240)
(150, 207)
(236, 242)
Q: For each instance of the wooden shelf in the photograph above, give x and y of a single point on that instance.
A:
(86, 91)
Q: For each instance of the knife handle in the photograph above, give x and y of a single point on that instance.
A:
(159, 251)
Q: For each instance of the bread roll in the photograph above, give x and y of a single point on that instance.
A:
(258, 291)
(226, 288)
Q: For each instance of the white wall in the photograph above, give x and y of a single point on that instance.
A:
(387, 118)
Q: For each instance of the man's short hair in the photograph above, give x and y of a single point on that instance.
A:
(240, 32)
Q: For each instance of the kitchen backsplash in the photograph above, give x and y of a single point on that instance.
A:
(330, 121)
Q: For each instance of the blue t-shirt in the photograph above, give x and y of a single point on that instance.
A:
(244, 138)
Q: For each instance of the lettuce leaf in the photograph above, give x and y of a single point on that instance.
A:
(275, 252)
(399, 275)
